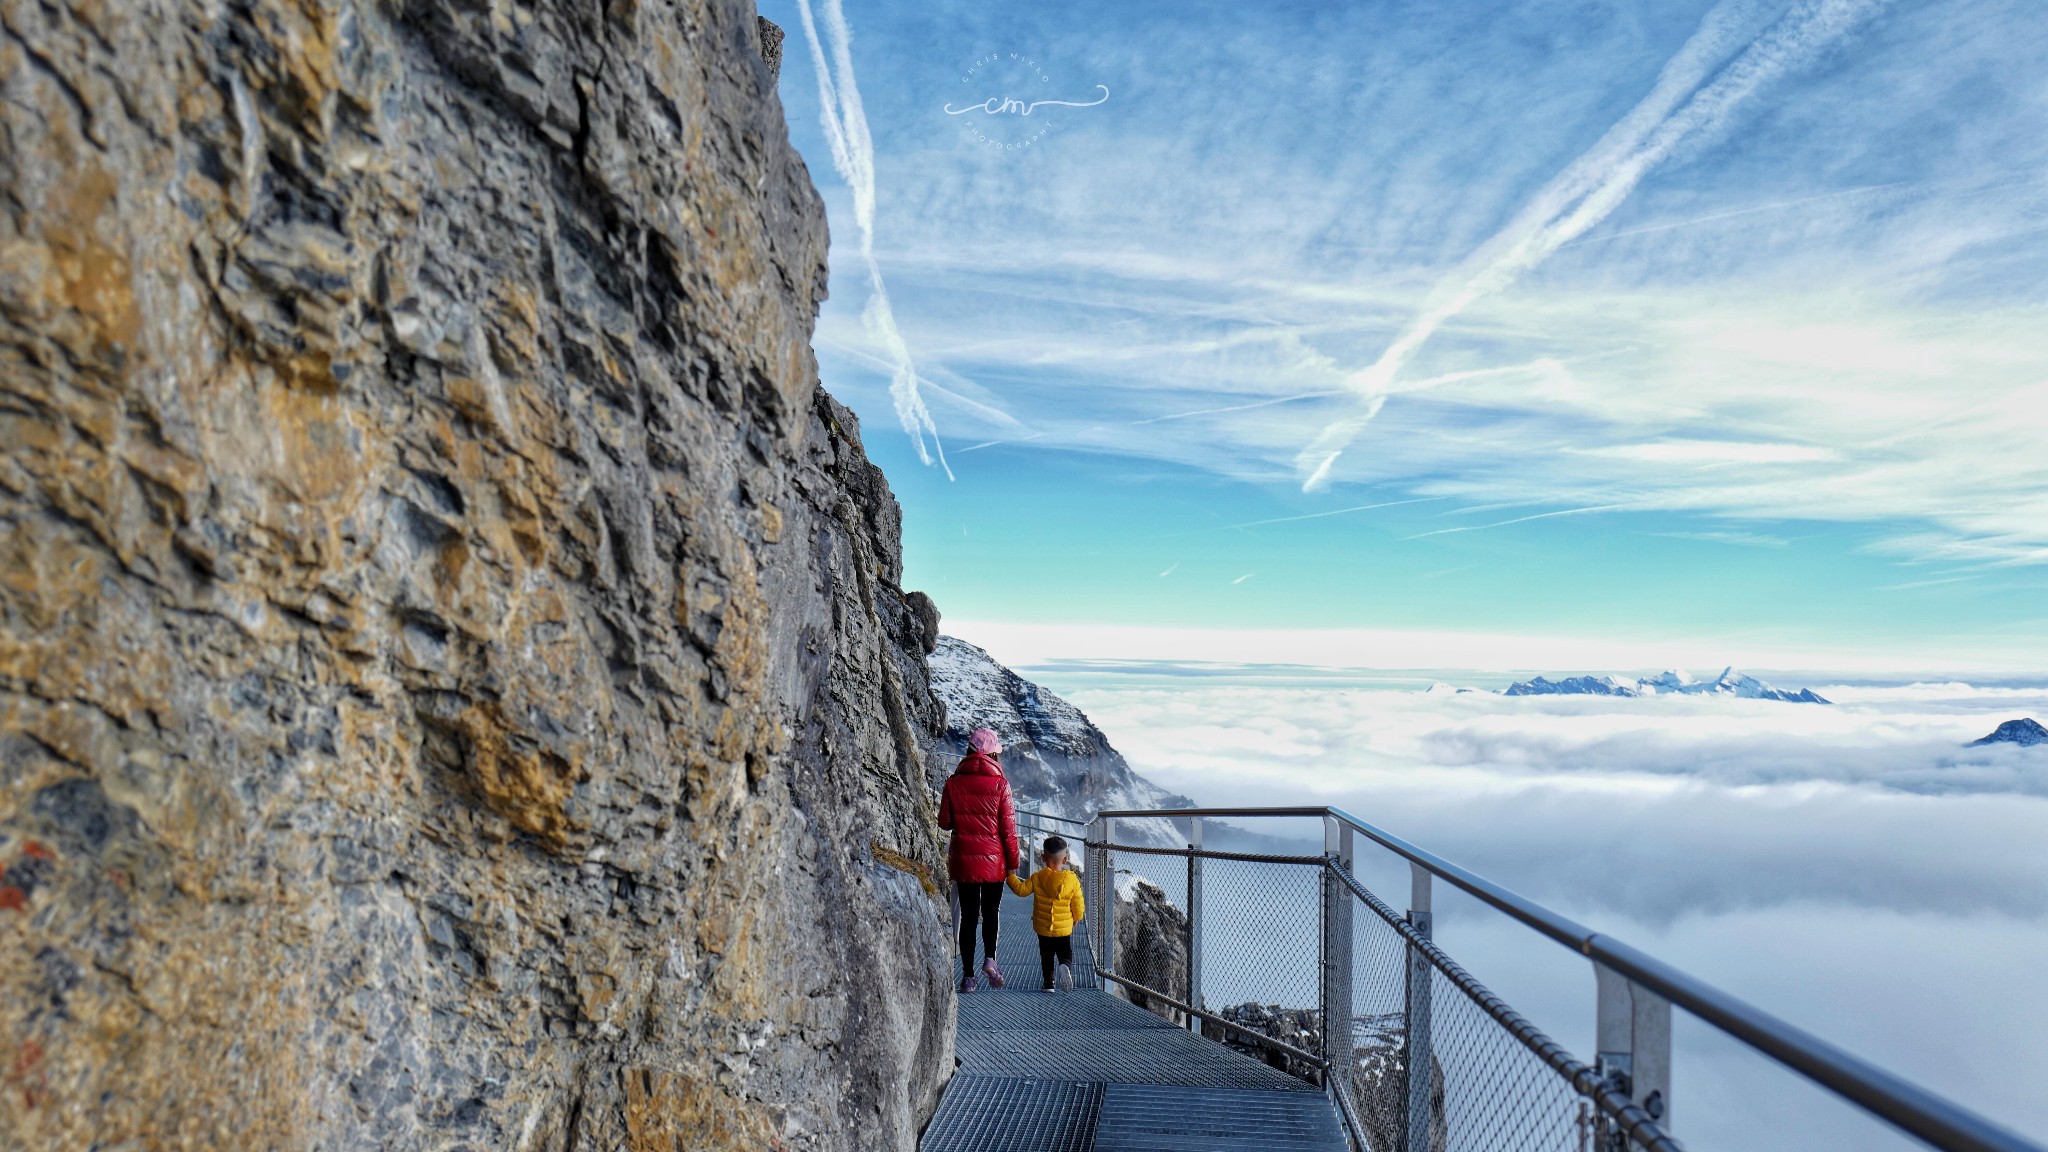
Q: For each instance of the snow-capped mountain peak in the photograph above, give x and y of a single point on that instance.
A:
(1740, 685)
(1057, 761)
(1671, 680)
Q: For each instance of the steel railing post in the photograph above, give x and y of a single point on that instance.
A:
(1418, 1050)
(1632, 1035)
(1105, 950)
(1336, 984)
(1091, 882)
(1195, 922)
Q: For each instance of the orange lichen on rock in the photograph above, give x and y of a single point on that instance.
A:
(672, 1112)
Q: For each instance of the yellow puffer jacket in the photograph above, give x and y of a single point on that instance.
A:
(1056, 904)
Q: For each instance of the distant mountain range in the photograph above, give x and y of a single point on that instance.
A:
(1739, 685)
(2025, 732)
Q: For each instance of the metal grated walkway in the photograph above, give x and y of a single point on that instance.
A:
(1084, 1071)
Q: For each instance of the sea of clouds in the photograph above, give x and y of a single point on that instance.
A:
(1854, 868)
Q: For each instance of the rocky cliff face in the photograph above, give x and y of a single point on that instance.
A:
(1151, 947)
(455, 690)
(1057, 760)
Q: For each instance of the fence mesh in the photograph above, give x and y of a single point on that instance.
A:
(1262, 935)
(1483, 1091)
(1152, 926)
(1264, 925)
(1491, 1081)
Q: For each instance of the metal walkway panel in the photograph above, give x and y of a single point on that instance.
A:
(1017, 949)
(1156, 1118)
(980, 1114)
(1085, 1070)
(1118, 1056)
(1010, 1010)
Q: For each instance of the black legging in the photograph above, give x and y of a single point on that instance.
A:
(978, 902)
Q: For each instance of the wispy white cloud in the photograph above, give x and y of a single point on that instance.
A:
(1742, 539)
(1683, 103)
(1715, 452)
(1522, 520)
(1910, 584)
(1731, 214)
(845, 125)
(1852, 278)
(1334, 512)
(1228, 408)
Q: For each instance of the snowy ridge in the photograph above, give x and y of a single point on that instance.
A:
(1058, 762)
(1739, 685)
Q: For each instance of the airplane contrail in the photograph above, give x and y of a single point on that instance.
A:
(1522, 520)
(853, 154)
(1336, 512)
(1695, 94)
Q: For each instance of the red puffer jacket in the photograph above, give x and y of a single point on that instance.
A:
(976, 807)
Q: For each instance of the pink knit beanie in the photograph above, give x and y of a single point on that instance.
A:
(984, 741)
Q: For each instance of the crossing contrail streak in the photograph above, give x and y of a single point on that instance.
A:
(1522, 520)
(1695, 94)
(853, 154)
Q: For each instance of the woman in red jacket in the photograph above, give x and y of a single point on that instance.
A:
(976, 807)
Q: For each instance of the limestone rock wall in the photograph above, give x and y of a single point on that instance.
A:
(455, 689)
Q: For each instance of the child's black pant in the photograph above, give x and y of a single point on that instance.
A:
(1054, 950)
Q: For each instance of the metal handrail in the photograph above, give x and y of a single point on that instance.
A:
(1938, 1121)
(1035, 814)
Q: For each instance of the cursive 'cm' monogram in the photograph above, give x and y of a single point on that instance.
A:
(997, 105)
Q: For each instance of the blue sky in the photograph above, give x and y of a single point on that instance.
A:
(1697, 327)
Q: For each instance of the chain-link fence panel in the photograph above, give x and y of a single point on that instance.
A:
(1260, 924)
(1290, 958)
(1152, 926)
(1437, 1063)
(1367, 1049)
(1255, 921)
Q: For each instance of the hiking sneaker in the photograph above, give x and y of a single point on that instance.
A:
(1048, 991)
(967, 985)
(994, 974)
(1065, 980)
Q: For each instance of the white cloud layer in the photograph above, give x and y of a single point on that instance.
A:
(1851, 867)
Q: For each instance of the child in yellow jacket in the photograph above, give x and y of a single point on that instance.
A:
(1056, 906)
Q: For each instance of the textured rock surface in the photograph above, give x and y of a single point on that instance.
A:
(1379, 1083)
(1301, 1027)
(454, 685)
(1151, 946)
(1057, 760)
